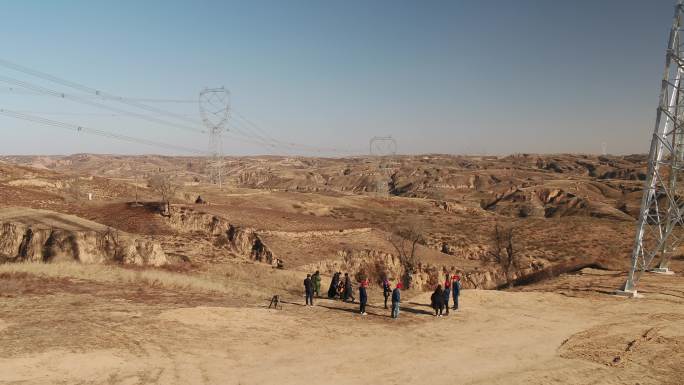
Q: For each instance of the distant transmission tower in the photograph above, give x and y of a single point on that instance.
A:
(214, 106)
(383, 147)
(660, 227)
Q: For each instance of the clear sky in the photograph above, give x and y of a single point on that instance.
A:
(469, 76)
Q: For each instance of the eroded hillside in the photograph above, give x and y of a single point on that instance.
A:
(340, 214)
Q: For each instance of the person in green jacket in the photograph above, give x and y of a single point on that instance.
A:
(316, 278)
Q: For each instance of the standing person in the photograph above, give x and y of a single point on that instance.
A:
(316, 279)
(386, 290)
(308, 290)
(447, 292)
(332, 291)
(437, 300)
(348, 290)
(456, 290)
(363, 296)
(396, 299)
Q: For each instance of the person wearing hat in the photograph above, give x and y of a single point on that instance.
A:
(456, 290)
(396, 299)
(447, 292)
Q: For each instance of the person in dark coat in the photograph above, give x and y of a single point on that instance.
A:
(363, 296)
(447, 292)
(396, 300)
(348, 290)
(316, 280)
(437, 300)
(308, 290)
(386, 290)
(332, 291)
(456, 290)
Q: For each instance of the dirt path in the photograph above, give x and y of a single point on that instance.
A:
(72, 336)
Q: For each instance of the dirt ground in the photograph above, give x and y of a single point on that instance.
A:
(80, 331)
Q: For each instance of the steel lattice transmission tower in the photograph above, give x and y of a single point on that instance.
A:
(661, 219)
(214, 106)
(383, 147)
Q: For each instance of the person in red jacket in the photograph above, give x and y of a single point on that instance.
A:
(456, 290)
(447, 292)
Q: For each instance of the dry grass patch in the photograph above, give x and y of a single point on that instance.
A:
(119, 275)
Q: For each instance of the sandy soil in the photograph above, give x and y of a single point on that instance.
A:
(67, 331)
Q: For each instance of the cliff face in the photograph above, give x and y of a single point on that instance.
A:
(244, 241)
(20, 242)
(376, 265)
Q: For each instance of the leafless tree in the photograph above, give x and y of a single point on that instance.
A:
(405, 239)
(503, 253)
(166, 186)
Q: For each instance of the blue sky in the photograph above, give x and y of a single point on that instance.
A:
(439, 76)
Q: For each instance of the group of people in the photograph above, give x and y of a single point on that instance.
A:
(341, 287)
(440, 297)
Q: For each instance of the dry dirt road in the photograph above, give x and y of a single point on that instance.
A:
(79, 332)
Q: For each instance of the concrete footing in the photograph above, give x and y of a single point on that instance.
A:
(661, 270)
(628, 294)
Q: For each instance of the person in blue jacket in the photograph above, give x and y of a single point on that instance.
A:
(396, 299)
(456, 290)
(447, 292)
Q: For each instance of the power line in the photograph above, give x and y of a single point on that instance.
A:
(293, 145)
(86, 89)
(69, 113)
(14, 90)
(78, 99)
(94, 131)
(260, 137)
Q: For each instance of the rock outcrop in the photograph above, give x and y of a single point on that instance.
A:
(20, 242)
(375, 265)
(244, 241)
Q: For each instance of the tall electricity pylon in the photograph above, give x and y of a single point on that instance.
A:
(383, 147)
(661, 218)
(214, 105)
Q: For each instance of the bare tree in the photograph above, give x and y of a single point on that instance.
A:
(503, 253)
(166, 186)
(405, 239)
